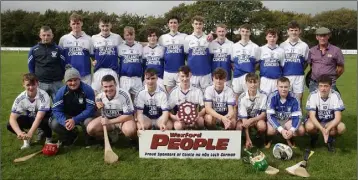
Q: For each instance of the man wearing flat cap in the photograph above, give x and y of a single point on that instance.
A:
(74, 105)
(325, 59)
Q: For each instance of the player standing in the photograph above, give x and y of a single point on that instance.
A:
(219, 102)
(199, 58)
(78, 48)
(245, 55)
(293, 65)
(153, 55)
(131, 63)
(185, 92)
(283, 113)
(270, 62)
(106, 53)
(174, 55)
(151, 103)
(325, 108)
(221, 48)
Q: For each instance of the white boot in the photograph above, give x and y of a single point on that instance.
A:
(26, 144)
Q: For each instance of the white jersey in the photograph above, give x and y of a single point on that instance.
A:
(131, 63)
(251, 108)
(221, 54)
(23, 106)
(244, 58)
(220, 101)
(199, 58)
(152, 105)
(78, 52)
(325, 108)
(121, 104)
(295, 58)
(177, 97)
(174, 55)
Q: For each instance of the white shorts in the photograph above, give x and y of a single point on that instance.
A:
(87, 79)
(159, 83)
(131, 84)
(268, 85)
(201, 82)
(297, 83)
(170, 79)
(97, 78)
(239, 84)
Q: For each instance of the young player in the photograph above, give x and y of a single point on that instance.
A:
(245, 55)
(270, 62)
(31, 109)
(106, 53)
(219, 102)
(283, 113)
(252, 108)
(221, 48)
(118, 111)
(199, 58)
(174, 55)
(131, 69)
(78, 48)
(153, 55)
(325, 108)
(151, 103)
(293, 65)
(185, 92)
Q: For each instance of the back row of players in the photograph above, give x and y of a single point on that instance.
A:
(163, 62)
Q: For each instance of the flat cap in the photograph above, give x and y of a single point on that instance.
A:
(322, 30)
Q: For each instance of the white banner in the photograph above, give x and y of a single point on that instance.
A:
(190, 144)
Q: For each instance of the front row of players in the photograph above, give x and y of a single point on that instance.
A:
(75, 105)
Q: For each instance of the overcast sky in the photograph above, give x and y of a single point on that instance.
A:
(160, 7)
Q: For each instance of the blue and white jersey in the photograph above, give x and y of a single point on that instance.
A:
(130, 57)
(153, 58)
(279, 111)
(244, 58)
(174, 55)
(106, 51)
(270, 62)
(23, 106)
(121, 104)
(250, 108)
(221, 54)
(295, 58)
(78, 51)
(152, 105)
(220, 100)
(199, 57)
(325, 108)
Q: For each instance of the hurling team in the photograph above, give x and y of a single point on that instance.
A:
(137, 86)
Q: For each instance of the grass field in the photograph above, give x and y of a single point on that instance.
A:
(80, 163)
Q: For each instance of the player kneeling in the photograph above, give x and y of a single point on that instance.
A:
(252, 108)
(283, 113)
(151, 103)
(117, 111)
(185, 92)
(219, 102)
(325, 108)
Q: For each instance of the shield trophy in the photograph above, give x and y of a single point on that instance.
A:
(187, 112)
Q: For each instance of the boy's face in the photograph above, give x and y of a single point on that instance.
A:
(46, 36)
(252, 85)
(198, 26)
(153, 38)
(173, 25)
(129, 36)
(151, 80)
(109, 88)
(293, 33)
(184, 79)
(271, 38)
(324, 89)
(105, 28)
(219, 83)
(76, 26)
(245, 33)
(283, 88)
(31, 88)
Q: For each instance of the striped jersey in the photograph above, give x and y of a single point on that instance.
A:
(244, 57)
(78, 51)
(295, 58)
(250, 108)
(199, 57)
(153, 58)
(270, 62)
(220, 100)
(130, 58)
(121, 104)
(221, 54)
(106, 51)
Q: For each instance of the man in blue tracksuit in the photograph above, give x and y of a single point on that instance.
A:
(74, 105)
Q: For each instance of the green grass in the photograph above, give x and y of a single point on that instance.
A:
(80, 163)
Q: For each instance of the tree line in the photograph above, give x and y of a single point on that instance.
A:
(20, 28)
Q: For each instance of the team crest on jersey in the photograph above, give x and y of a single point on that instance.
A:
(54, 54)
(80, 100)
(325, 107)
(289, 109)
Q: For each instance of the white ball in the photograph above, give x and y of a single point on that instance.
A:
(282, 151)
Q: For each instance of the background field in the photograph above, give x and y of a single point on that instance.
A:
(81, 163)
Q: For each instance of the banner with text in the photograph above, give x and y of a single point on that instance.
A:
(190, 144)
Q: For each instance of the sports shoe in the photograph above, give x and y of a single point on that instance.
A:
(134, 143)
(330, 145)
(313, 141)
(48, 140)
(26, 144)
(113, 135)
(66, 143)
(40, 135)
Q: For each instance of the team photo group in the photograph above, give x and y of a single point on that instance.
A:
(140, 86)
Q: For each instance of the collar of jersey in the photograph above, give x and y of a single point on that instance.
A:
(156, 89)
(299, 41)
(82, 34)
(276, 46)
(174, 34)
(152, 47)
(248, 96)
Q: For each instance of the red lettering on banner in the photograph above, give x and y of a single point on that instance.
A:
(209, 145)
(200, 142)
(174, 143)
(186, 144)
(222, 144)
(159, 140)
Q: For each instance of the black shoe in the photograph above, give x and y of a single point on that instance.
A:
(134, 143)
(314, 139)
(331, 147)
(68, 142)
(89, 141)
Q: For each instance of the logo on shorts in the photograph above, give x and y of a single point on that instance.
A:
(54, 54)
